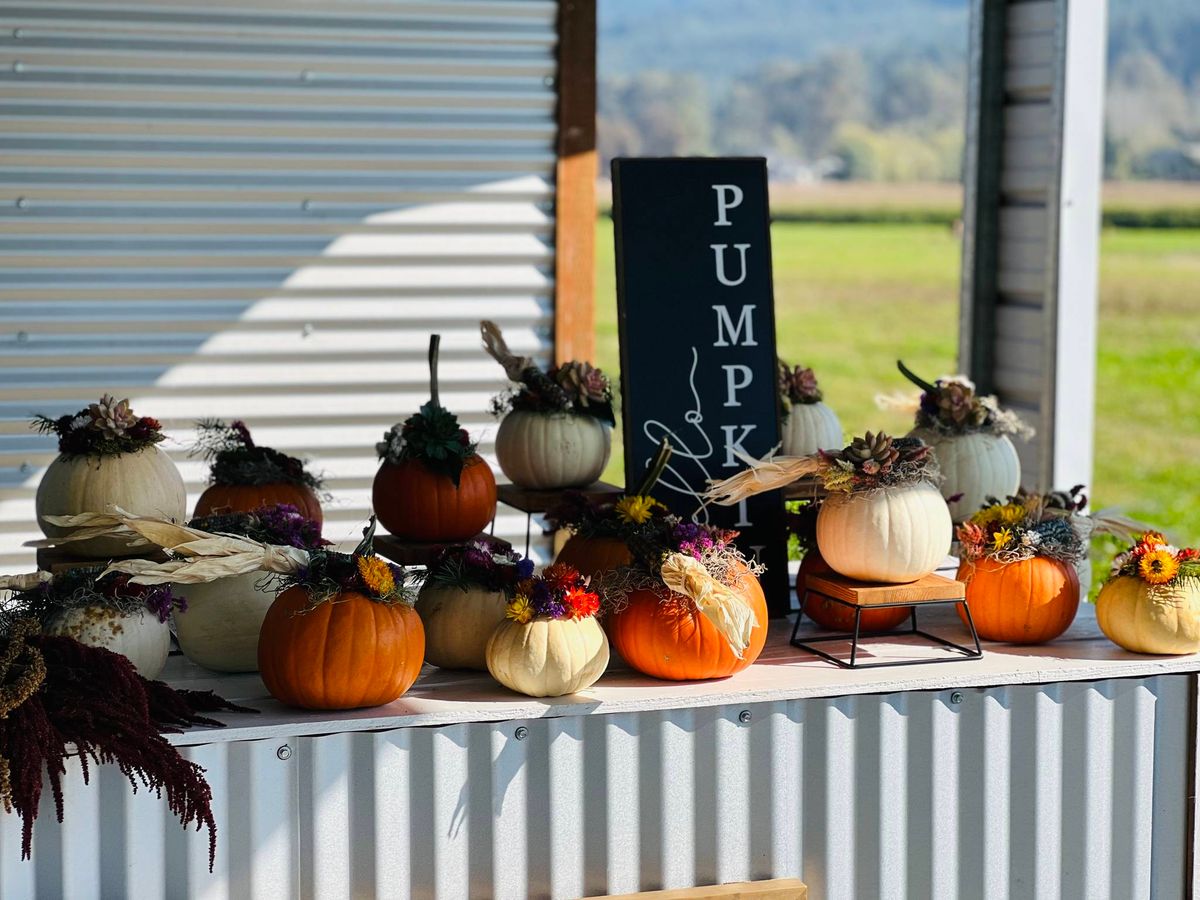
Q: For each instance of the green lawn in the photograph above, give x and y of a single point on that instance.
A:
(851, 299)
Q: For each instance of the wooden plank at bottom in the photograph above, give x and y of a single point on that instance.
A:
(775, 889)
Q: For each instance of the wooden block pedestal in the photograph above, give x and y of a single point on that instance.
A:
(530, 501)
(932, 590)
(422, 553)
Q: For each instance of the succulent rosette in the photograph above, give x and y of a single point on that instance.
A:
(951, 405)
(877, 460)
(433, 436)
(108, 427)
(797, 385)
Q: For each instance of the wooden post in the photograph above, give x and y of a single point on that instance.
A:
(575, 213)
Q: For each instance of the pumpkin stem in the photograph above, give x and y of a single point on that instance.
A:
(915, 379)
(366, 547)
(435, 341)
(655, 469)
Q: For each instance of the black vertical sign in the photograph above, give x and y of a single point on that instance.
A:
(697, 325)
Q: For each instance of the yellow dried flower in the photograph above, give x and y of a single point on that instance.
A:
(1158, 567)
(376, 575)
(635, 509)
(1010, 514)
(1002, 538)
(519, 609)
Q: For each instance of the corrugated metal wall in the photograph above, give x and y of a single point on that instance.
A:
(260, 209)
(1069, 790)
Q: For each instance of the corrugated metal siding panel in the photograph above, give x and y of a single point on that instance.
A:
(260, 209)
(1061, 790)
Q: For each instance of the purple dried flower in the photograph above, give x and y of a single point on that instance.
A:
(525, 568)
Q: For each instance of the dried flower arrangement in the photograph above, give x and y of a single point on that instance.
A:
(1157, 562)
(477, 565)
(105, 428)
(570, 387)
(560, 592)
(1025, 526)
(234, 458)
(280, 523)
(797, 385)
(951, 406)
(91, 586)
(60, 698)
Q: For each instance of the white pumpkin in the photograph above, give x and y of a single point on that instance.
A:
(975, 465)
(219, 628)
(547, 451)
(145, 483)
(140, 636)
(548, 657)
(894, 535)
(811, 427)
(458, 624)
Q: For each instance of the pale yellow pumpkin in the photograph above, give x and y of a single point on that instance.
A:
(895, 534)
(548, 657)
(220, 626)
(811, 427)
(1148, 618)
(144, 483)
(138, 636)
(977, 466)
(458, 624)
(547, 451)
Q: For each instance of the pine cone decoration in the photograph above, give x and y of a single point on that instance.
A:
(112, 417)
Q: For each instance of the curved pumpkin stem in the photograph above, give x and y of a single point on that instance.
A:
(915, 379)
(435, 341)
(655, 469)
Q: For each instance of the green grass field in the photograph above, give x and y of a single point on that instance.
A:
(852, 298)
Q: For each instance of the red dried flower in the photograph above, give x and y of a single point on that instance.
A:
(561, 577)
(582, 603)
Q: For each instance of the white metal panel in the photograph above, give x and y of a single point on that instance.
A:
(1039, 791)
(260, 209)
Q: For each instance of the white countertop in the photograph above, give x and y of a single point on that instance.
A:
(782, 672)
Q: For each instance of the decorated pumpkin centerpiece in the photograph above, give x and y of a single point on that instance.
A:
(1019, 564)
(1151, 601)
(603, 530)
(107, 457)
(219, 627)
(883, 520)
(808, 424)
(246, 476)
(549, 643)
(105, 610)
(970, 436)
(556, 430)
(688, 607)
(463, 599)
(432, 485)
(342, 633)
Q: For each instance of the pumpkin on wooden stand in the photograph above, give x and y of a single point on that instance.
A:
(342, 634)
(107, 458)
(1018, 563)
(808, 424)
(104, 610)
(246, 476)
(557, 427)
(463, 599)
(549, 643)
(432, 485)
(1151, 602)
(969, 434)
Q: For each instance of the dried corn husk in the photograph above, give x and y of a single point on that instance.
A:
(724, 607)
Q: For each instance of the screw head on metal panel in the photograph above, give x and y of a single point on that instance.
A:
(20, 202)
(306, 75)
(956, 697)
(548, 81)
(26, 467)
(306, 329)
(17, 32)
(745, 716)
(284, 752)
(306, 205)
(22, 337)
(521, 733)
(18, 66)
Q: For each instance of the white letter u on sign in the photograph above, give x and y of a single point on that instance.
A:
(719, 252)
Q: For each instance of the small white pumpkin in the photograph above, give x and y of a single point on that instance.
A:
(976, 465)
(811, 427)
(894, 535)
(145, 483)
(1150, 619)
(139, 636)
(458, 623)
(548, 451)
(219, 628)
(548, 657)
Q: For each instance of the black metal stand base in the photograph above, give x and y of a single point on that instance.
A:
(855, 637)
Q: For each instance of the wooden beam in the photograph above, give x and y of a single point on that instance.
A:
(575, 191)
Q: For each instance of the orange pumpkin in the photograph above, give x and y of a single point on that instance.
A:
(590, 555)
(1026, 602)
(672, 639)
(248, 497)
(836, 617)
(416, 503)
(348, 652)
